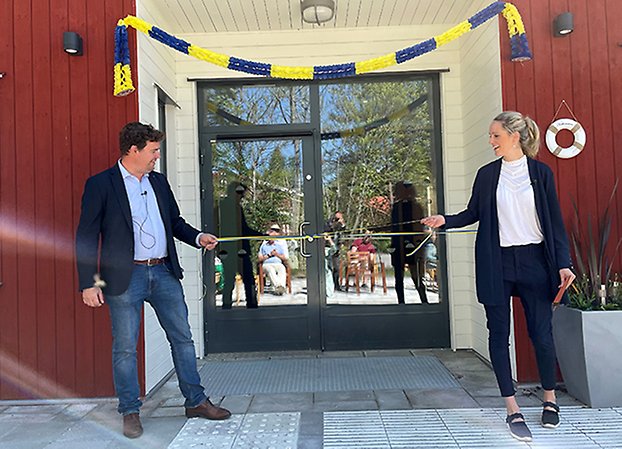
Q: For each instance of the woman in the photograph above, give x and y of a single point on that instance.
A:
(521, 249)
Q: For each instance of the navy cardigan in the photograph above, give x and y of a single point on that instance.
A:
(482, 207)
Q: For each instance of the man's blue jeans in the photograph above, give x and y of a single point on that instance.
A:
(158, 286)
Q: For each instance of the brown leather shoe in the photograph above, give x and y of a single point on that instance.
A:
(207, 410)
(132, 428)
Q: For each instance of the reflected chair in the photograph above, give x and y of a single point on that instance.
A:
(430, 275)
(261, 279)
(364, 265)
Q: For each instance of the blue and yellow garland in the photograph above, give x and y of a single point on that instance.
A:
(123, 79)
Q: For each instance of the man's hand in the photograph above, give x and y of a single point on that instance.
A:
(208, 241)
(93, 297)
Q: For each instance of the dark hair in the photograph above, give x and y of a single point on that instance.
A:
(136, 133)
(404, 190)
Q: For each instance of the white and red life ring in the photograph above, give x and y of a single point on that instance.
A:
(579, 138)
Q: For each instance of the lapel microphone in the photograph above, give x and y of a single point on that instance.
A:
(144, 193)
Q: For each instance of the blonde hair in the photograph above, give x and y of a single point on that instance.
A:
(527, 129)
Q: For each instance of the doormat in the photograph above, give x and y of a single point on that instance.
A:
(239, 377)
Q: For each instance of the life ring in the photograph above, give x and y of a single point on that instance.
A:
(579, 138)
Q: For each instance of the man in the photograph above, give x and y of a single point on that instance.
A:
(364, 244)
(131, 212)
(273, 255)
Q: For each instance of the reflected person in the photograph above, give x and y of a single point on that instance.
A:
(335, 224)
(236, 256)
(405, 215)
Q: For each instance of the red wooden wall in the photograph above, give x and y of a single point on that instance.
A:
(59, 124)
(585, 69)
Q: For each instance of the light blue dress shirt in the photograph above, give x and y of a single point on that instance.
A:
(149, 232)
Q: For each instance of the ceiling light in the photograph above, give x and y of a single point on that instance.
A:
(317, 11)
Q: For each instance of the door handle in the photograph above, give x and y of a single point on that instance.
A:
(303, 244)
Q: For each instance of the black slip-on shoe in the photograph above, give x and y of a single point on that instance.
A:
(518, 429)
(550, 418)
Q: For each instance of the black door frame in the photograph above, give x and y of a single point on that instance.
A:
(330, 327)
(291, 327)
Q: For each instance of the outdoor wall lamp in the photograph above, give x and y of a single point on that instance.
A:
(72, 43)
(317, 11)
(563, 24)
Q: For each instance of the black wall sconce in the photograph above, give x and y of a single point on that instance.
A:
(72, 43)
(563, 24)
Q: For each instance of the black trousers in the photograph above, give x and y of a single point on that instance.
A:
(525, 274)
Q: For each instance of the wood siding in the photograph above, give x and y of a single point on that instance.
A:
(584, 69)
(58, 125)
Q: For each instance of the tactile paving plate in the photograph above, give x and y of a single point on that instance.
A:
(470, 428)
(260, 431)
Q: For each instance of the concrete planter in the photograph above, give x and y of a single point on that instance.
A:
(588, 351)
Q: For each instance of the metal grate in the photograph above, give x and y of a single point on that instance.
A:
(325, 374)
(469, 428)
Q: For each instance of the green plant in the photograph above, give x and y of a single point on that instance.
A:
(594, 288)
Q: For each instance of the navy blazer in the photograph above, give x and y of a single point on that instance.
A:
(482, 207)
(106, 219)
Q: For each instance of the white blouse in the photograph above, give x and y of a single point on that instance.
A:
(516, 206)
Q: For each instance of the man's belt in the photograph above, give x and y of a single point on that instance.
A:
(151, 262)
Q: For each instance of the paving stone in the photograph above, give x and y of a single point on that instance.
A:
(309, 442)
(446, 398)
(22, 445)
(392, 400)
(345, 406)
(343, 396)
(167, 412)
(388, 353)
(78, 411)
(339, 354)
(90, 444)
(44, 432)
(174, 402)
(499, 402)
(265, 403)
(51, 409)
(34, 418)
(237, 403)
(311, 423)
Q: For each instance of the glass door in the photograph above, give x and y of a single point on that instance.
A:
(380, 143)
(264, 295)
(346, 169)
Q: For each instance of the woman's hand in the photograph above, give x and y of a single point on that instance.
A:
(566, 276)
(434, 221)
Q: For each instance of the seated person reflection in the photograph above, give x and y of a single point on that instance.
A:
(365, 245)
(273, 254)
(430, 255)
